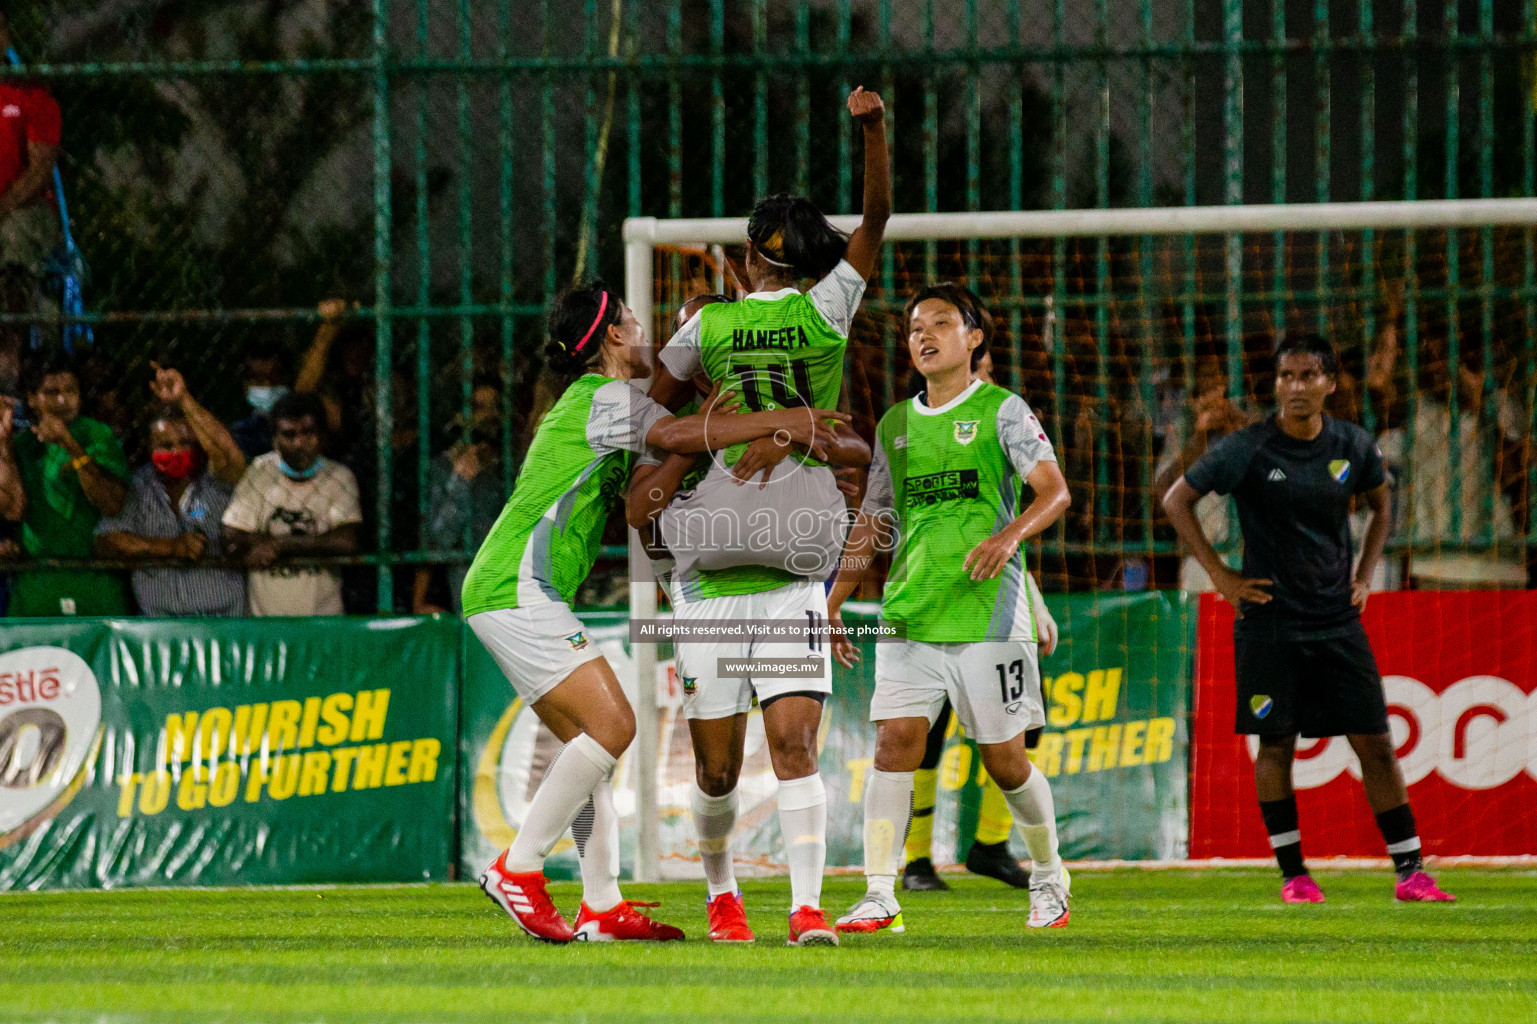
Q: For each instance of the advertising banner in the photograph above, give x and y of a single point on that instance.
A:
(1115, 749)
(1460, 674)
(226, 752)
(1116, 745)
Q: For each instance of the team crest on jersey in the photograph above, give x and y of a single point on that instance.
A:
(1340, 469)
(578, 641)
(690, 684)
(966, 431)
(1260, 705)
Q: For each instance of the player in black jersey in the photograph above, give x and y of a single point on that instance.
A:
(1302, 660)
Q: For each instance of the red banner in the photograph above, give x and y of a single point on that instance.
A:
(1460, 671)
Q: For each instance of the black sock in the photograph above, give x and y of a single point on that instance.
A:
(1398, 831)
(1285, 838)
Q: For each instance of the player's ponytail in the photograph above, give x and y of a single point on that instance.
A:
(973, 314)
(790, 232)
(578, 324)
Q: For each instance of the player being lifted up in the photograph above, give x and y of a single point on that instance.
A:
(945, 486)
(1302, 660)
(517, 599)
(784, 349)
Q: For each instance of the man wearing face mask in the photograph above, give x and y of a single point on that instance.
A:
(294, 503)
(467, 495)
(266, 382)
(175, 506)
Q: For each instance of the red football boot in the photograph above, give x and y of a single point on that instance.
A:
(623, 923)
(809, 927)
(728, 919)
(524, 897)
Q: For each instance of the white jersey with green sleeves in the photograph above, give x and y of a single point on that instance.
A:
(950, 478)
(547, 538)
(777, 350)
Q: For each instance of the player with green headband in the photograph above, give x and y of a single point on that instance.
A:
(518, 592)
(944, 496)
(751, 554)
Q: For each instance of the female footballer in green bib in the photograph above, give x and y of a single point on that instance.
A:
(944, 496)
(517, 599)
(778, 348)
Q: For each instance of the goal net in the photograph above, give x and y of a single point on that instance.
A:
(1136, 336)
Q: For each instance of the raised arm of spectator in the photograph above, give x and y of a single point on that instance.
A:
(34, 179)
(312, 364)
(225, 458)
(13, 498)
(865, 244)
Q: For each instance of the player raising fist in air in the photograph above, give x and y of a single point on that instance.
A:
(1302, 660)
(945, 484)
(780, 348)
(517, 599)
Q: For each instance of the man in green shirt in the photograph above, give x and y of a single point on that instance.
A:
(57, 478)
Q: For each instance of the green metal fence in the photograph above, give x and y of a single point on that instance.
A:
(448, 164)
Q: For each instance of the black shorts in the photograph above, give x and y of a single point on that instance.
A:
(1316, 688)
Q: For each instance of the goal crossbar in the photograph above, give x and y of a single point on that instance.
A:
(1167, 220)
(643, 234)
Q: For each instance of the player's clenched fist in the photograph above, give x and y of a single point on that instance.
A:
(866, 106)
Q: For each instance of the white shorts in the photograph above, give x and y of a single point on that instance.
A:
(708, 694)
(797, 522)
(535, 647)
(995, 686)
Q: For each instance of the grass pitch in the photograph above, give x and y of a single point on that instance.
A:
(1143, 946)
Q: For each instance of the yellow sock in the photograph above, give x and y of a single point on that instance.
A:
(993, 818)
(920, 832)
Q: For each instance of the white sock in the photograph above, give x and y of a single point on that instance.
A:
(569, 781)
(1036, 814)
(714, 817)
(888, 809)
(803, 820)
(596, 831)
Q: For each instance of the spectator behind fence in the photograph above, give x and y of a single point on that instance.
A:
(1482, 549)
(30, 130)
(266, 380)
(176, 506)
(58, 478)
(294, 503)
(467, 493)
(1211, 415)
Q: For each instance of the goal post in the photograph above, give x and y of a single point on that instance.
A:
(1087, 290)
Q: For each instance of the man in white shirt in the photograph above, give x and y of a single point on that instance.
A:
(294, 503)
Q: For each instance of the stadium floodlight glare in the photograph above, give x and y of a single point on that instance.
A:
(644, 235)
